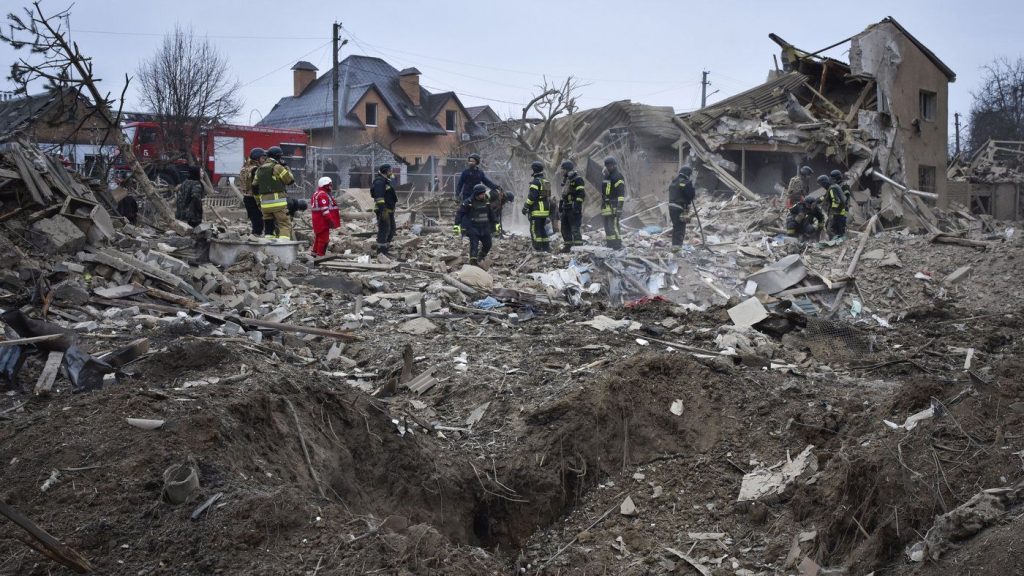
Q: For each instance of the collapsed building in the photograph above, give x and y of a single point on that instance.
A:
(990, 182)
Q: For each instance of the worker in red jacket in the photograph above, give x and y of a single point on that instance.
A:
(326, 215)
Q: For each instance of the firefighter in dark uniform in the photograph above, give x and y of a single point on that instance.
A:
(805, 220)
(680, 201)
(839, 178)
(613, 197)
(384, 202)
(570, 208)
(836, 203)
(538, 208)
(478, 221)
(470, 177)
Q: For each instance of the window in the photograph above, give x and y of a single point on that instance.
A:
(926, 178)
(928, 105)
(148, 136)
(449, 120)
(371, 113)
(417, 161)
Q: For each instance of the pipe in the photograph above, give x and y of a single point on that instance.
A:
(884, 178)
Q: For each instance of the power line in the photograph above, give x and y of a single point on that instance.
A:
(218, 36)
(290, 62)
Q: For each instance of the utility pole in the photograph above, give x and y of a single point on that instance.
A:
(704, 83)
(335, 33)
(956, 121)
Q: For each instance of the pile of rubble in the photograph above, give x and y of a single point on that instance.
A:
(749, 405)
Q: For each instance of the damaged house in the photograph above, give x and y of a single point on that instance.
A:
(61, 122)
(883, 114)
(990, 182)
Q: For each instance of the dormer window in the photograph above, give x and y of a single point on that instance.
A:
(449, 120)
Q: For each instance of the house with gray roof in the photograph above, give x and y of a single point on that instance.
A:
(377, 103)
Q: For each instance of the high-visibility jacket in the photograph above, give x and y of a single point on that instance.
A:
(836, 200)
(272, 180)
(613, 193)
(324, 210)
(574, 193)
(538, 201)
(383, 193)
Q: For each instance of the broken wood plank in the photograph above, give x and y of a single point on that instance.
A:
(859, 102)
(172, 298)
(942, 238)
(31, 340)
(127, 353)
(810, 289)
(343, 336)
(26, 176)
(853, 265)
(705, 156)
(831, 108)
(44, 385)
(47, 545)
(122, 261)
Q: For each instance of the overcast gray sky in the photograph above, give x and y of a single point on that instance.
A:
(492, 52)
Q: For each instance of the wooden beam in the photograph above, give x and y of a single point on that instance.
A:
(859, 102)
(343, 336)
(31, 340)
(829, 106)
(45, 544)
(49, 374)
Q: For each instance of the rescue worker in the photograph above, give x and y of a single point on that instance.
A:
(325, 214)
(613, 197)
(271, 181)
(680, 202)
(840, 178)
(188, 206)
(538, 207)
(470, 177)
(252, 206)
(835, 203)
(805, 220)
(499, 199)
(799, 186)
(570, 208)
(385, 201)
(478, 221)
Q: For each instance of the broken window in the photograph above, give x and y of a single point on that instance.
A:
(371, 113)
(449, 120)
(928, 103)
(926, 178)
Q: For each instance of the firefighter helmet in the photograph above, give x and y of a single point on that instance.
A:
(384, 168)
(824, 180)
(686, 171)
(275, 152)
(567, 165)
(836, 175)
(537, 166)
(257, 153)
(806, 170)
(610, 161)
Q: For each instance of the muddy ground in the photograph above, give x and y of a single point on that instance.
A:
(317, 476)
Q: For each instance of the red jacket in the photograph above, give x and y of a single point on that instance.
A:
(324, 209)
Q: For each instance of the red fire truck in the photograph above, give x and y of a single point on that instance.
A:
(224, 149)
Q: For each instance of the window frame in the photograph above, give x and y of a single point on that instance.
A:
(453, 116)
(928, 104)
(367, 107)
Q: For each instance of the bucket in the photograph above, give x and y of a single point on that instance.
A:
(180, 481)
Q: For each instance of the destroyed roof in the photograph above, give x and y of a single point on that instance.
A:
(17, 113)
(924, 49)
(311, 110)
(641, 119)
(764, 97)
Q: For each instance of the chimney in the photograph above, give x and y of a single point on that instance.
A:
(410, 81)
(303, 74)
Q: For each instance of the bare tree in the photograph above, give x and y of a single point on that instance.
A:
(56, 59)
(552, 101)
(187, 85)
(997, 112)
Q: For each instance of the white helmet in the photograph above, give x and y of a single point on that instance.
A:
(324, 181)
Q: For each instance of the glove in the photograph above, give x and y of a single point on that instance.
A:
(497, 228)
(525, 211)
(457, 229)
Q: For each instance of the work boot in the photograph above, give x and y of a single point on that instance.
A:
(473, 261)
(566, 248)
